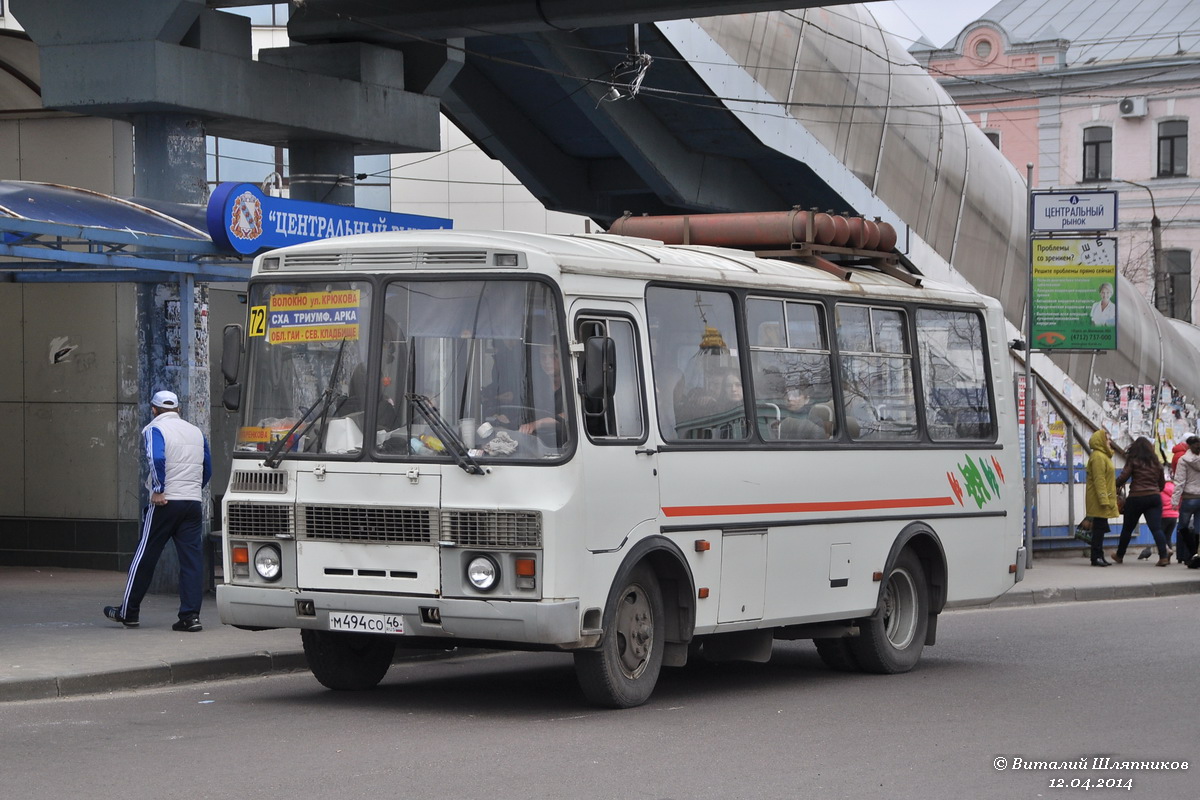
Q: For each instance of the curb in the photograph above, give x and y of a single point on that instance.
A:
(249, 665)
(1018, 597)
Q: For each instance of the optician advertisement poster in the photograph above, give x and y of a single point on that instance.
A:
(1075, 294)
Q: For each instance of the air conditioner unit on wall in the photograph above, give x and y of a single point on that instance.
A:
(1132, 107)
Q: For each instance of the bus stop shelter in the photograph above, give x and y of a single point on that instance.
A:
(73, 419)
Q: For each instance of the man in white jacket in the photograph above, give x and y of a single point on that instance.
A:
(180, 465)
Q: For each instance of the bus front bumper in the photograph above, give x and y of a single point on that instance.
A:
(553, 623)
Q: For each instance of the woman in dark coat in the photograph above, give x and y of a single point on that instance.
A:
(1144, 474)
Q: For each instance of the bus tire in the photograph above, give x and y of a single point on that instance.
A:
(837, 654)
(891, 640)
(622, 671)
(347, 661)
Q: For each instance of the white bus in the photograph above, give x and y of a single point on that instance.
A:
(634, 452)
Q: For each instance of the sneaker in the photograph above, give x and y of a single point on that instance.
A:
(114, 613)
(190, 624)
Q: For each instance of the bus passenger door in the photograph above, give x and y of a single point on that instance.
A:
(619, 467)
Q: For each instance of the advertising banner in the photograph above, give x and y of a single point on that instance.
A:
(1074, 294)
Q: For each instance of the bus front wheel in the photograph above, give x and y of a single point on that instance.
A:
(347, 661)
(891, 640)
(621, 673)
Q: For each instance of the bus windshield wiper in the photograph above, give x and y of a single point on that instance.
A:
(445, 432)
(325, 400)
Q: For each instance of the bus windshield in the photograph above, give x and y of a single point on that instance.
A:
(456, 366)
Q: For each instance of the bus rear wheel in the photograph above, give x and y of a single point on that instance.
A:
(891, 640)
(347, 661)
(622, 672)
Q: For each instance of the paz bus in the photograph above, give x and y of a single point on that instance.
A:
(636, 452)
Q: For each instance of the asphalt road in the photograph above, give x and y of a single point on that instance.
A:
(1113, 679)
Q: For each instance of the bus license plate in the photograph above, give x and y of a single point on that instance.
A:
(366, 623)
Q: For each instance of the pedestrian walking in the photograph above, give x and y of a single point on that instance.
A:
(1170, 517)
(1144, 474)
(1187, 499)
(180, 465)
(1178, 452)
(1101, 497)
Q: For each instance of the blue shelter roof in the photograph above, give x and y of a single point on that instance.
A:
(54, 233)
(68, 205)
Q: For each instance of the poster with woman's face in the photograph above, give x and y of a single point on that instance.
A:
(1074, 294)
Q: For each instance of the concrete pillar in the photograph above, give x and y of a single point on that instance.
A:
(170, 164)
(169, 161)
(315, 168)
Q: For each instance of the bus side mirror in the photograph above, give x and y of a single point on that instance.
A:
(599, 368)
(231, 398)
(231, 364)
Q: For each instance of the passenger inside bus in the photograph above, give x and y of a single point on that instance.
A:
(731, 392)
(543, 412)
(803, 420)
(713, 409)
(506, 376)
(386, 414)
(552, 427)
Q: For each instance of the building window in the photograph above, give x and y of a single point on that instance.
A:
(1178, 265)
(993, 137)
(983, 49)
(1097, 154)
(1172, 149)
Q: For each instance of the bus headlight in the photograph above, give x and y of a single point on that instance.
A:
(268, 563)
(483, 573)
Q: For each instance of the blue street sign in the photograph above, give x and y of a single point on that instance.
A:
(243, 219)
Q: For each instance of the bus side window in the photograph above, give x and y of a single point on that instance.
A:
(697, 371)
(954, 375)
(875, 365)
(789, 359)
(621, 416)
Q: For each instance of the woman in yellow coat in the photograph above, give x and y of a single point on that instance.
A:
(1101, 493)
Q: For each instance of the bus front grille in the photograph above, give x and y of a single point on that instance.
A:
(260, 519)
(247, 481)
(517, 529)
(369, 524)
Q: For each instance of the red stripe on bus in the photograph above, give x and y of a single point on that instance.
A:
(793, 508)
